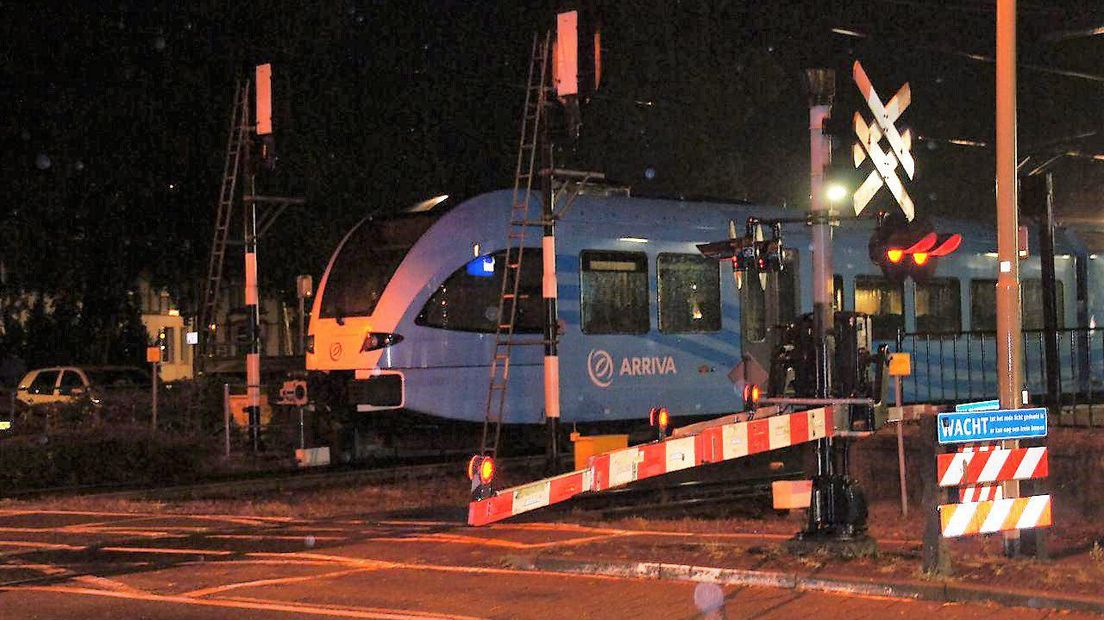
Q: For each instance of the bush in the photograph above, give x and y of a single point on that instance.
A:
(120, 455)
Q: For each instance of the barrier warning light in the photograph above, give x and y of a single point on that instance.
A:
(659, 418)
(920, 258)
(751, 396)
(481, 471)
(895, 255)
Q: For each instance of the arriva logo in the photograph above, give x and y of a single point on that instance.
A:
(600, 367)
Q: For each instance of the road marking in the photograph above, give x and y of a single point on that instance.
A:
(254, 605)
(143, 515)
(170, 550)
(41, 545)
(274, 537)
(269, 582)
(492, 542)
(105, 583)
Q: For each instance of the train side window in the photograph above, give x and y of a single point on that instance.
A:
(689, 293)
(614, 292)
(983, 305)
(939, 306)
(1031, 295)
(468, 299)
(884, 301)
(983, 308)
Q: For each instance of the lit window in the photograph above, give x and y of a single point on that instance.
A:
(884, 302)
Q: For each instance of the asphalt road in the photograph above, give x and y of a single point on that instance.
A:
(92, 565)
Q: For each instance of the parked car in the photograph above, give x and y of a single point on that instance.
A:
(66, 385)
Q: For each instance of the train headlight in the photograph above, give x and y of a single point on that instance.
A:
(375, 340)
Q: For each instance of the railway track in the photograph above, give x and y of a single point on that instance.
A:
(275, 482)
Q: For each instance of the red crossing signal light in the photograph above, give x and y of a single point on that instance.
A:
(751, 396)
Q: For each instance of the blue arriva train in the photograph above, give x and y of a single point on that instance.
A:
(406, 311)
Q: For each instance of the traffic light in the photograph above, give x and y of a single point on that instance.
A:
(906, 249)
(481, 471)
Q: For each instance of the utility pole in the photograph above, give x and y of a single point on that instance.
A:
(1009, 320)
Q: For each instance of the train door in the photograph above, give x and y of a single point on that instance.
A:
(767, 303)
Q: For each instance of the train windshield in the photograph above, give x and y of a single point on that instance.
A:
(366, 262)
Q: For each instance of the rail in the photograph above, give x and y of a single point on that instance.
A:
(957, 366)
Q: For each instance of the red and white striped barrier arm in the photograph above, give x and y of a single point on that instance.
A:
(732, 418)
(985, 467)
(613, 469)
(995, 516)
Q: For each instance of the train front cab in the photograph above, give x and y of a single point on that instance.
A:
(430, 283)
(354, 325)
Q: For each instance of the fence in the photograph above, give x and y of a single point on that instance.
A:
(961, 366)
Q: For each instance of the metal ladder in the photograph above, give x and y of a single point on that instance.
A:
(239, 130)
(536, 97)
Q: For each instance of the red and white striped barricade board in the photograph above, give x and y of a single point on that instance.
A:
(985, 491)
(990, 466)
(711, 444)
(980, 467)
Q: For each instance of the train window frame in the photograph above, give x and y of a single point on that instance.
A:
(384, 243)
(879, 331)
(1033, 317)
(638, 318)
(709, 306)
(940, 319)
(990, 286)
(527, 292)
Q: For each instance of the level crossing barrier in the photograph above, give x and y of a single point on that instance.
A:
(723, 439)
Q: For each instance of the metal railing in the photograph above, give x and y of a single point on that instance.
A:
(961, 366)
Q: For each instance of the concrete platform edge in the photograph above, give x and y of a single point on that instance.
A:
(937, 591)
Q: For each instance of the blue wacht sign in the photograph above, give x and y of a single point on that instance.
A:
(984, 405)
(967, 426)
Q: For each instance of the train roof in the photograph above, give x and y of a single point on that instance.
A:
(661, 218)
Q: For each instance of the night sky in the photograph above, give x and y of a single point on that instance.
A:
(116, 113)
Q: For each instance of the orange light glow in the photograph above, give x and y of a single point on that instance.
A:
(663, 417)
(486, 470)
(920, 258)
(895, 255)
(471, 466)
(751, 394)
